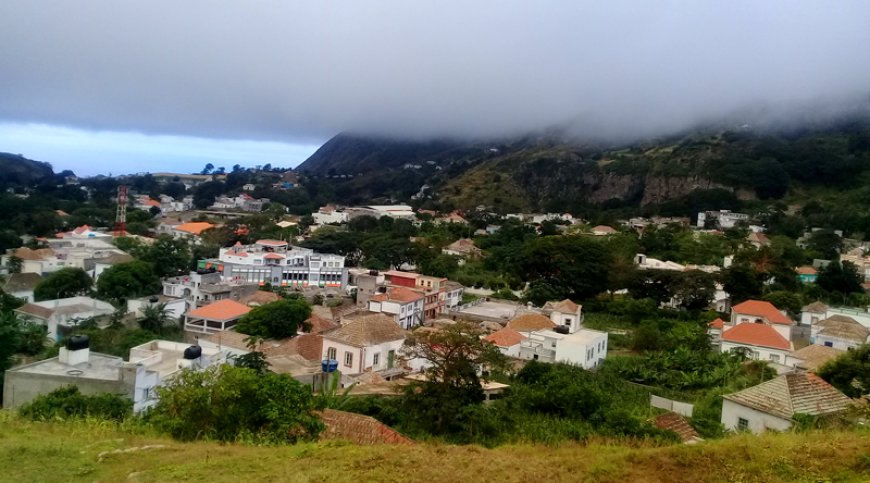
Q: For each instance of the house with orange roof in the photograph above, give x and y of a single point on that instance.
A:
(507, 340)
(191, 230)
(762, 312)
(215, 317)
(405, 304)
(759, 341)
(603, 230)
(807, 274)
(714, 330)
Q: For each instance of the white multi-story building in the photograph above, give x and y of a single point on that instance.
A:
(722, 219)
(403, 303)
(329, 214)
(278, 263)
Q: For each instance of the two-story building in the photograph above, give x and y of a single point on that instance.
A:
(404, 304)
(566, 342)
(762, 312)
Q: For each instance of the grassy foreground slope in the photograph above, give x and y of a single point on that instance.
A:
(91, 451)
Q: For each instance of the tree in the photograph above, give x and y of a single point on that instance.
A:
(850, 373)
(14, 264)
(276, 320)
(127, 280)
(741, 282)
(154, 318)
(575, 265)
(255, 359)
(840, 278)
(208, 168)
(825, 244)
(64, 283)
(204, 194)
(226, 403)
(168, 256)
(694, 289)
(454, 355)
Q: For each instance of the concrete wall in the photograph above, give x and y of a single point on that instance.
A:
(22, 387)
(758, 421)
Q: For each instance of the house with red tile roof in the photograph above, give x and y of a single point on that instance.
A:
(507, 340)
(775, 403)
(762, 312)
(366, 342)
(405, 304)
(760, 341)
(215, 317)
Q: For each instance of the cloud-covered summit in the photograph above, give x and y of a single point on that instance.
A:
(302, 71)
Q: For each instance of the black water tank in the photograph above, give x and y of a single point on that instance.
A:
(77, 342)
(562, 329)
(192, 352)
(373, 273)
(154, 299)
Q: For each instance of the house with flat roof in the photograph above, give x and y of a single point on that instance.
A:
(565, 340)
(772, 405)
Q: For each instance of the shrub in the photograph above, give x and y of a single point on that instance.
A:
(68, 402)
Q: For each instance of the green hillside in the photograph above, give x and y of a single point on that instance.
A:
(101, 452)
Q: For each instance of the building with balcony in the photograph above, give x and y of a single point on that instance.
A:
(567, 341)
(278, 263)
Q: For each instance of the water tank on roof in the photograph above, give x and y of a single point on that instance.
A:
(382, 289)
(78, 342)
(153, 299)
(373, 273)
(562, 329)
(193, 352)
(329, 365)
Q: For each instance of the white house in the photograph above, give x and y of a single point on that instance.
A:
(773, 404)
(840, 332)
(68, 312)
(817, 311)
(329, 214)
(365, 342)
(567, 342)
(761, 312)
(174, 306)
(403, 303)
(21, 285)
(214, 317)
(507, 340)
(760, 342)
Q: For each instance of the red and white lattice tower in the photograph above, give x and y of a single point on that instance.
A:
(121, 215)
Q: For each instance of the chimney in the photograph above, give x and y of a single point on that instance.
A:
(76, 351)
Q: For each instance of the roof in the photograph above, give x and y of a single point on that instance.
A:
(367, 330)
(793, 393)
(194, 227)
(762, 308)
(400, 294)
(21, 282)
(221, 310)
(530, 322)
(358, 429)
(115, 259)
(229, 338)
(603, 229)
(816, 307)
(750, 333)
(506, 337)
(671, 421)
(566, 306)
(806, 270)
(35, 311)
(401, 274)
(260, 297)
(756, 237)
(320, 324)
(25, 253)
(717, 324)
(815, 356)
(274, 243)
(273, 256)
(308, 346)
(843, 327)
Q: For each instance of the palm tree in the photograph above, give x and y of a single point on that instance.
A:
(155, 318)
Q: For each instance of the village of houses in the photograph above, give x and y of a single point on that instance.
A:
(365, 315)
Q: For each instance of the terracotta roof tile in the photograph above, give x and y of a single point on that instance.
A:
(35, 311)
(506, 337)
(367, 329)
(672, 421)
(260, 297)
(793, 393)
(566, 306)
(806, 270)
(530, 322)
(274, 243)
(816, 307)
(321, 324)
(761, 308)
(195, 227)
(843, 327)
(229, 338)
(358, 429)
(221, 310)
(717, 324)
(750, 333)
(20, 282)
(815, 356)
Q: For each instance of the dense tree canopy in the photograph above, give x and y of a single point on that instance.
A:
(64, 283)
(276, 320)
(124, 281)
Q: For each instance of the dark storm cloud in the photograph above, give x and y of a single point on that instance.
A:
(287, 71)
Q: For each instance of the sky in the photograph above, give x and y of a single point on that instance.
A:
(106, 86)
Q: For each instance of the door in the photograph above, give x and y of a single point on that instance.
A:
(391, 357)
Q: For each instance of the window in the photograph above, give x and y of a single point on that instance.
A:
(567, 321)
(774, 357)
(742, 424)
(348, 359)
(829, 343)
(376, 359)
(331, 353)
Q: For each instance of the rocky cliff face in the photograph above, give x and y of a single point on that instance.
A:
(658, 189)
